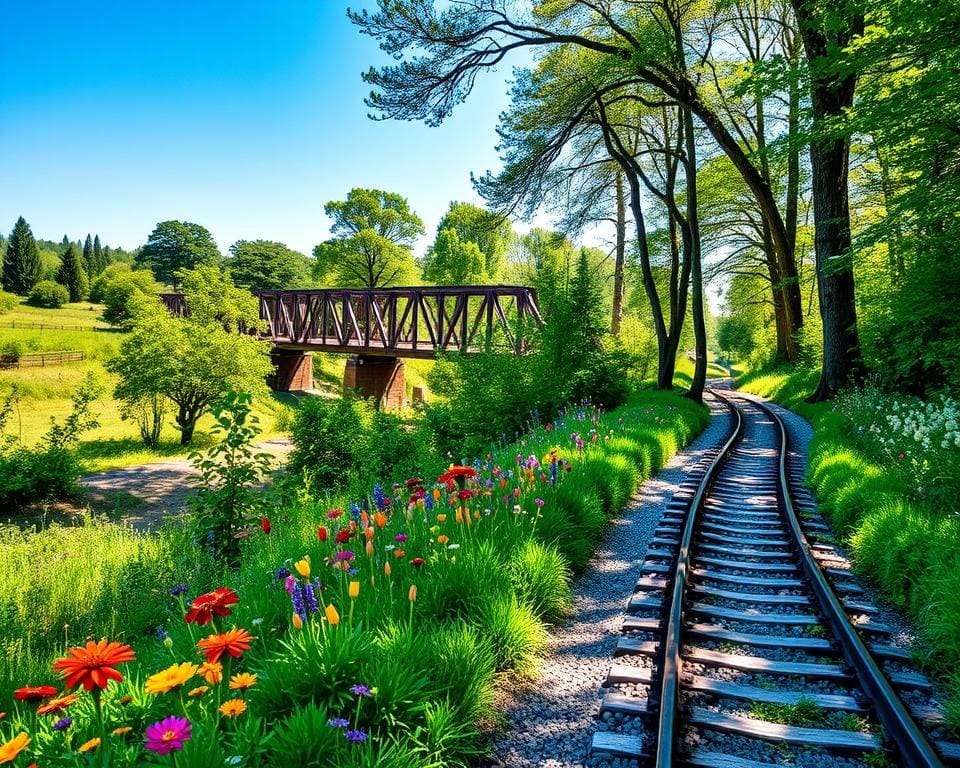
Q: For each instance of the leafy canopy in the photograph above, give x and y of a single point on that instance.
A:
(175, 245)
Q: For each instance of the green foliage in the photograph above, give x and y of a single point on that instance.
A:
(452, 261)
(22, 268)
(373, 232)
(517, 636)
(229, 472)
(73, 274)
(176, 245)
(118, 287)
(7, 301)
(266, 265)
(805, 713)
(48, 294)
(190, 361)
(541, 578)
(735, 337)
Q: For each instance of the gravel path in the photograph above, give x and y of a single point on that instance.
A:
(550, 721)
(160, 487)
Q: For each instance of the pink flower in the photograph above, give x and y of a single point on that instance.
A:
(168, 735)
(401, 537)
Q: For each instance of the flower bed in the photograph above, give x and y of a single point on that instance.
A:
(355, 632)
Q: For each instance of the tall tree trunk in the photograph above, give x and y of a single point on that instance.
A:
(829, 154)
(786, 343)
(621, 247)
(696, 272)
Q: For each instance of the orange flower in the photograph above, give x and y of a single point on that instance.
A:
(380, 519)
(386, 570)
(89, 746)
(198, 691)
(297, 621)
(399, 553)
(442, 539)
(57, 705)
(122, 730)
(332, 616)
(92, 665)
(215, 603)
(34, 693)
(172, 677)
(233, 707)
(9, 750)
(212, 672)
(233, 641)
(441, 518)
(436, 494)
(369, 533)
(242, 680)
(413, 593)
(369, 549)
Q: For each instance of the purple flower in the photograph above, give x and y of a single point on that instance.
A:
(357, 736)
(378, 497)
(310, 598)
(345, 555)
(178, 590)
(400, 537)
(290, 584)
(361, 690)
(167, 735)
(282, 573)
(162, 634)
(62, 725)
(539, 502)
(296, 597)
(338, 722)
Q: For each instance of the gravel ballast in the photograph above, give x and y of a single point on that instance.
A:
(549, 722)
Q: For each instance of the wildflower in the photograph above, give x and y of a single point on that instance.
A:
(441, 518)
(10, 749)
(457, 473)
(57, 705)
(400, 538)
(338, 722)
(399, 553)
(322, 533)
(345, 555)
(539, 502)
(442, 539)
(303, 567)
(198, 691)
(290, 584)
(242, 681)
(178, 590)
(386, 570)
(413, 593)
(212, 672)
(417, 562)
(333, 514)
(361, 690)
(234, 641)
(436, 494)
(233, 707)
(343, 536)
(167, 735)
(93, 665)
(215, 603)
(89, 746)
(369, 549)
(63, 724)
(380, 519)
(332, 616)
(356, 736)
(282, 574)
(310, 598)
(123, 730)
(465, 495)
(265, 524)
(354, 589)
(34, 693)
(172, 677)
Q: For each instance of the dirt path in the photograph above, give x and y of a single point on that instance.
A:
(143, 494)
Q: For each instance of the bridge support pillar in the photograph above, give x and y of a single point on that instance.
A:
(293, 370)
(377, 377)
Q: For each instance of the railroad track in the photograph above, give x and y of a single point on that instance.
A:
(743, 647)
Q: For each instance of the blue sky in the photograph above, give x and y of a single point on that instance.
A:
(243, 116)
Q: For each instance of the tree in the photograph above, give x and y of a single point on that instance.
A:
(491, 232)
(452, 261)
(735, 337)
(22, 267)
(73, 274)
(176, 245)
(191, 361)
(119, 288)
(265, 265)
(89, 261)
(99, 260)
(373, 233)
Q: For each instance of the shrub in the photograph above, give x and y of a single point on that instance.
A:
(8, 301)
(541, 578)
(48, 294)
(518, 637)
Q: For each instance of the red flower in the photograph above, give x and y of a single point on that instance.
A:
(465, 494)
(901, 456)
(322, 533)
(215, 603)
(265, 524)
(34, 693)
(417, 561)
(343, 536)
(233, 641)
(92, 665)
(457, 473)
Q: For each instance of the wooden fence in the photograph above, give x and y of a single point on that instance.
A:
(40, 359)
(55, 327)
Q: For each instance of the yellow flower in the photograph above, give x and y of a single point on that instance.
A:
(233, 707)
(89, 746)
(297, 621)
(212, 672)
(242, 680)
(9, 750)
(198, 691)
(172, 677)
(354, 589)
(303, 568)
(413, 593)
(332, 616)
(122, 730)
(441, 518)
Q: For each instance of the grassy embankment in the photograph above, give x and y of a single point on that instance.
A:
(908, 546)
(490, 599)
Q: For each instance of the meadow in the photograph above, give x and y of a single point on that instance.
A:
(378, 626)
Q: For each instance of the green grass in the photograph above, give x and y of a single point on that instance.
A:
(910, 549)
(79, 314)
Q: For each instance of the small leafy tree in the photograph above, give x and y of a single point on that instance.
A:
(48, 294)
(229, 472)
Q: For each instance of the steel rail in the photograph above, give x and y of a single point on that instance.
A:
(912, 745)
(670, 667)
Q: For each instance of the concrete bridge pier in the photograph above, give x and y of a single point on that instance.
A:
(378, 377)
(293, 370)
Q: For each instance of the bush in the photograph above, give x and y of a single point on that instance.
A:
(541, 578)
(8, 301)
(48, 294)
